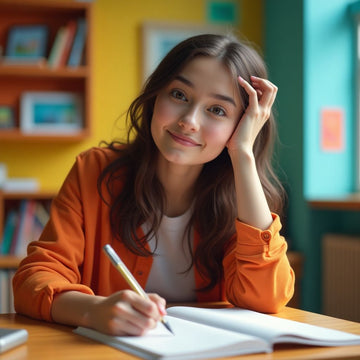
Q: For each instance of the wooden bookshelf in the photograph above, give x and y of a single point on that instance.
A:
(9, 262)
(17, 79)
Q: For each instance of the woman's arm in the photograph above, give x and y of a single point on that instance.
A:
(251, 201)
(123, 313)
(257, 272)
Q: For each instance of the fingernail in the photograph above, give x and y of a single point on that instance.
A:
(254, 77)
(162, 309)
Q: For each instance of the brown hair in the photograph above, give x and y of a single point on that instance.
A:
(142, 197)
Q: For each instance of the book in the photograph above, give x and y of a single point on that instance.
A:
(69, 38)
(20, 219)
(78, 44)
(57, 47)
(208, 333)
(23, 233)
(26, 219)
(9, 230)
(41, 214)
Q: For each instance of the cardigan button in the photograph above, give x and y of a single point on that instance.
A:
(140, 273)
(266, 235)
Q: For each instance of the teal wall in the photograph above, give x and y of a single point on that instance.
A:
(308, 49)
(328, 83)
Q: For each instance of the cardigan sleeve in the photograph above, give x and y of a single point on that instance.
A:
(257, 272)
(54, 263)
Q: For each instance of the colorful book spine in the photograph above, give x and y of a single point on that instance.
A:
(27, 211)
(78, 47)
(19, 224)
(69, 39)
(9, 230)
(55, 51)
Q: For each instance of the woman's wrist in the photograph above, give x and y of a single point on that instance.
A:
(74, 308)
(241, 158)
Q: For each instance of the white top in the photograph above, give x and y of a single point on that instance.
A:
(171, 259)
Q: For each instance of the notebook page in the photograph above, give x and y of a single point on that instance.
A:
(270, 328)
(191, 341)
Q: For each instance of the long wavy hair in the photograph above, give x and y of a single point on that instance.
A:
(137, 195)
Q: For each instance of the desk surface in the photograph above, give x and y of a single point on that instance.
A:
(55, 342)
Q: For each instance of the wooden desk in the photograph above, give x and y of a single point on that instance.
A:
(57, 342)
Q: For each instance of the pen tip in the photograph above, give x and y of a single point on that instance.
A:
(166, 324)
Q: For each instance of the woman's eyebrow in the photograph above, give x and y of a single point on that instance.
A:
(184, 80)
(217, 96)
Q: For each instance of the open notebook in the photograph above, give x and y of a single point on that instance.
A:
(208, 333)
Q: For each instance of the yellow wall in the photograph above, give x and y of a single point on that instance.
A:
(116, 77)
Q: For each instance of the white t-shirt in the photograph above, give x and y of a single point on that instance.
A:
(167, 277)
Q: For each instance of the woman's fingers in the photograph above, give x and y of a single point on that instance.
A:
(251, 91)
(262, 94)
(267, 90)
(130, 318)
(126, 313)
(160, 303)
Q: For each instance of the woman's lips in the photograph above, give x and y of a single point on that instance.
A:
(183, 140)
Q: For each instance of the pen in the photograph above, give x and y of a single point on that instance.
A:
(127, 275)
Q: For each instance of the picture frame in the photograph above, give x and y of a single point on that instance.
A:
(57, 113)
(7, 118)
(158, 38)
(26, 43)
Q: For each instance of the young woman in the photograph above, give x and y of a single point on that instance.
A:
(190, 202)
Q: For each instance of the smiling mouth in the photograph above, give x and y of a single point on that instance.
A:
(183, 140)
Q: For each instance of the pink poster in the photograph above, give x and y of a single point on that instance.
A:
(332, 130)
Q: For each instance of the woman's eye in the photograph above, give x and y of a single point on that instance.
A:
(217, 110)
(177, 94)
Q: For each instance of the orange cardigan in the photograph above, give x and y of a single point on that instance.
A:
(69, 256)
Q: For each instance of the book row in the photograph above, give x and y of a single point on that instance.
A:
(23, 224)
(29, 44)
(69, 44)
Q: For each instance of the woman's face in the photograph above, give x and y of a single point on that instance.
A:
(196, 114)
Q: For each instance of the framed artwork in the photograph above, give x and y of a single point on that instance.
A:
(7, 120)
(50, 112)
(26, 43)
(159, 38)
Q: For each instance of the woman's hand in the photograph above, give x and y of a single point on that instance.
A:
(126, 313)
(122, 313)
(262, 95)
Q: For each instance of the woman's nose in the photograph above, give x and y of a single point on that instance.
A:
(190, 120)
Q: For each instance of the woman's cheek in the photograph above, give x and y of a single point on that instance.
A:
(218, 133)
(164, 112)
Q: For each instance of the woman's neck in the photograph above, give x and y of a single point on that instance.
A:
(179, 183)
